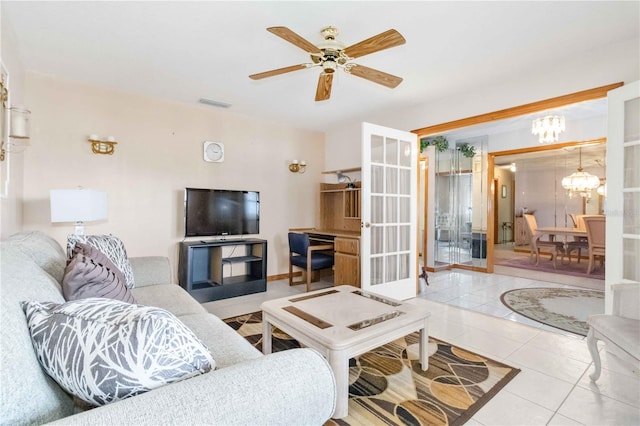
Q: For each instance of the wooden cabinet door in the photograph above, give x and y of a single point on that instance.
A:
(347, 269)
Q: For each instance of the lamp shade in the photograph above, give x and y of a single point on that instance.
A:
(78, 205)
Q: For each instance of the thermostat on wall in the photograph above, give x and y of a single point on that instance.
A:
(214, 152)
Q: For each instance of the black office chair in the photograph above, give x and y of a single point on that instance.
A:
(303, 255)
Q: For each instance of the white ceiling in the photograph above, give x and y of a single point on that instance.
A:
(189, 50)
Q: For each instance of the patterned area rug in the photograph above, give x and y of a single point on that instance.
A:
(387, 385)
(566, 309)
(574, 268)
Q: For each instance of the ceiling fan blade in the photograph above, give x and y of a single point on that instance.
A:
(376, 76)
(323, 92)
(385, 40)
(277, 72)
(293, 38)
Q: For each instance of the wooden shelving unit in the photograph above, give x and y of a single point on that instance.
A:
(340, 206)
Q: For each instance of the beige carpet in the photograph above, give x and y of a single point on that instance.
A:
(387, 385)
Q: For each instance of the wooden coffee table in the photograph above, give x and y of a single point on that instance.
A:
(343, 322)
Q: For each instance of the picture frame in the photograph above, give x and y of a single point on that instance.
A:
(504, 191)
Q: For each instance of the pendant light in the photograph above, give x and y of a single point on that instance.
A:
(580, 182)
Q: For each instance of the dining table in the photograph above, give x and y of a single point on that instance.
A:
(555, 231)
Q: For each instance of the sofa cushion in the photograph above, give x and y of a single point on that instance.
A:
(103, 350)
(111, 246)
(93, 275)
(171, 297)
(29, 395)
(42, 249)
(226, 345)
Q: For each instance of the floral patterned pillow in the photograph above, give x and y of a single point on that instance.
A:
(103, 350)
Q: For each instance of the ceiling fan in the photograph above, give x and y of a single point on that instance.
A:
(332, 54)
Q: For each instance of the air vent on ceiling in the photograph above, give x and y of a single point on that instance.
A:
(214, 103)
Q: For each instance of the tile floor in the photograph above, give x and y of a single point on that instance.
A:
(553, 387)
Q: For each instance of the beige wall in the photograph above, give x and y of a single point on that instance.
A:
(159, 153)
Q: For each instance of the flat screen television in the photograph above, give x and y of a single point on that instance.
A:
(211, 212)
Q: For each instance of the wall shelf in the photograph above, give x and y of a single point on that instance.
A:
(352, 169)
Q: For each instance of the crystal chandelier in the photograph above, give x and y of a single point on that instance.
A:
(548, 128)
(580, 182)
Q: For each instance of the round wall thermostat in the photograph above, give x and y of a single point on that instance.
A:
(214, 152)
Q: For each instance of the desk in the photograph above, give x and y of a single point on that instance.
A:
(552, 231)
(346, 246)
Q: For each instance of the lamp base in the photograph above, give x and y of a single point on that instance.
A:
(79, 230)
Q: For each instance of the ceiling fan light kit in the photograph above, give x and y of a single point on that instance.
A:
(331, 55)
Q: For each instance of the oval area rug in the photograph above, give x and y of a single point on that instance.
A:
(566, 309)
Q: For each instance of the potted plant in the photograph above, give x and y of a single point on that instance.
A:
(467, 150)
(440, 142)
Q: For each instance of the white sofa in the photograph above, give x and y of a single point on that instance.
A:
(246, 387)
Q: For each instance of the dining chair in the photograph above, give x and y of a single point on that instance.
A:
(596, 236)
(578, 243)
(555, 247)
(308, 257)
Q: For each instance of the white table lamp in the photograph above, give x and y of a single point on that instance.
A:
(79, 206)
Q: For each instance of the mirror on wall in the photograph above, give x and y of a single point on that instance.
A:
(459, 203)
(534, 185)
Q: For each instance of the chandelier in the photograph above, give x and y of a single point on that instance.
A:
(580, 182)
(548, 128)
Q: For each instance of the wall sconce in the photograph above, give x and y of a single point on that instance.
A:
(18, 129)
(99, 146)
(19, 125)
(296, 167)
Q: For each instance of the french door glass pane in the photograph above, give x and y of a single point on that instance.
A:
(405, 182)
(404, 237)
(631, 266)
(391, 273)
(404, 215)
(392, 238)
(377, 179)
(392, 209)
(391, 156)
(404, 265)
(377, 149)
(377, 239)
(392, 180)
(376, 270)
(377, 209)
(631, 218)
(405, 154)
(632, 120)
(632, 166)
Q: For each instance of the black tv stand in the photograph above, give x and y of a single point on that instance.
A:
(201, 267)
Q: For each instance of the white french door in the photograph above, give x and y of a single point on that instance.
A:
(389, 211)
(623, 189)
